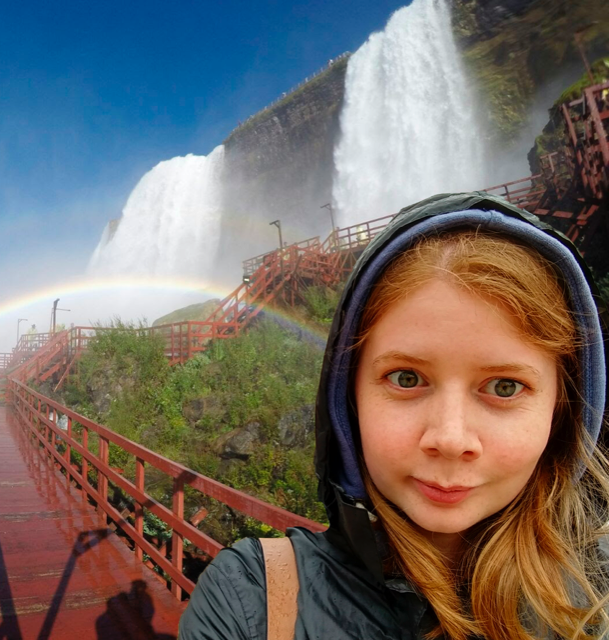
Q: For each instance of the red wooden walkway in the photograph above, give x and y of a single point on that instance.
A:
(63, 573)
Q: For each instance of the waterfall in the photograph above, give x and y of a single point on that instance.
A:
(408, 126)
(170, 224)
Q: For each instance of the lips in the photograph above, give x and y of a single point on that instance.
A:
(443, 495)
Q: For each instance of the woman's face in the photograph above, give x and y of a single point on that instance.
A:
(454, 408)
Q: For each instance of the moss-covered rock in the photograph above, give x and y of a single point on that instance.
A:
(515, 47)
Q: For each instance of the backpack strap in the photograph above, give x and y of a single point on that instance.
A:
(281, 587)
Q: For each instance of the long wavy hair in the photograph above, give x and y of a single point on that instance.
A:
(533, 570)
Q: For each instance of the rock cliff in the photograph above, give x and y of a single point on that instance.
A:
(515, 49)
(279, 164)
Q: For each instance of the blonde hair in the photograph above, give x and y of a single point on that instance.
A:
(533, 568)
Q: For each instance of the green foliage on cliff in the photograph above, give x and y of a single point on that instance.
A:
(513, 58)
(600, 73)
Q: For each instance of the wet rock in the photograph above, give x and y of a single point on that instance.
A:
(239, 443)
(195, 409)
(104, 387)
(294, 427)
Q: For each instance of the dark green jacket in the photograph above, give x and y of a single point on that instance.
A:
(343, 592)
(338, 599)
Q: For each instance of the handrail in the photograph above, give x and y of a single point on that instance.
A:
(39, 414)
(252, 264)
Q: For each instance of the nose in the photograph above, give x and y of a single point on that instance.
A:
(450, 429)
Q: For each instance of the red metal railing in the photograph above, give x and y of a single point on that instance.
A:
(586, 123)
(252, 264)
(357, 235)
(92, 442)
(5, 359)
(525, 193)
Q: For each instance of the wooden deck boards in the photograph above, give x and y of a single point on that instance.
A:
(63, 574)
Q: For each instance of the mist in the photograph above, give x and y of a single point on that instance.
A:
(511, 163)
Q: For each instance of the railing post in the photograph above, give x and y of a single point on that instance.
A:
(102, 478)
(139, 510)
(172, 343)
(189, 342)
(68, 452)
(85, 463)
(46, 426)
(38, 418)
(598, 125)
(53, 434)
(177, 540)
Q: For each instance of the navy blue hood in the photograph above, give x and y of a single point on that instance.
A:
(341, 486)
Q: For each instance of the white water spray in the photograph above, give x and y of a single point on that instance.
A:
(170, 224)
(408, 126)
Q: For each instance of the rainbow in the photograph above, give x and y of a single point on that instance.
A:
(183, 285)
(90, 285)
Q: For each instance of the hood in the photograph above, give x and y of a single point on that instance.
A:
(341, 487)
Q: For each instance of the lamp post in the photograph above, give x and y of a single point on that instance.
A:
(19, 321)
(54, 315)
(329, 207)
(277, 223)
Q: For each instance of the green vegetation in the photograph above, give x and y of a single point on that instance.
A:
(321, 302)
(197, 312)
(600, 73)
(218, 414)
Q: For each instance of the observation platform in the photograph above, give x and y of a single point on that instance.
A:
(64, 574)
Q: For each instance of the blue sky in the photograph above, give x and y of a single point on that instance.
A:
(94, 94)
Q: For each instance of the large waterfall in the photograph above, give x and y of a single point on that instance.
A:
(170, 224)
(409, 129)
(409, 126)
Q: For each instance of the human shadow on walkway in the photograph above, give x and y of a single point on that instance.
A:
(128, 616)
(9, 627)
(86, 540)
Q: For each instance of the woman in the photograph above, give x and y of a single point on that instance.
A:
(459, 410)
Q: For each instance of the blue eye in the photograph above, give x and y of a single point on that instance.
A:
(405, 378)
(503, 387)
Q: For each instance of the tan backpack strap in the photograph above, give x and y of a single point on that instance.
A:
(281, 587)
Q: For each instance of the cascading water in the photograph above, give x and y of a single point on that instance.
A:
(171, 222)
(409, 127)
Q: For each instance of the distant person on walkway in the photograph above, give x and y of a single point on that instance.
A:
(460, 442)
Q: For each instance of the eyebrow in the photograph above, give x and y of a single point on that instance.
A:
(516, 367)
(513, 366)
(398, 355)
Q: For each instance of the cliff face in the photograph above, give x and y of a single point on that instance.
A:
(279, 164)
(516, 48)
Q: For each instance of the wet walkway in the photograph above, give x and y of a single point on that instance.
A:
(63, 574)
